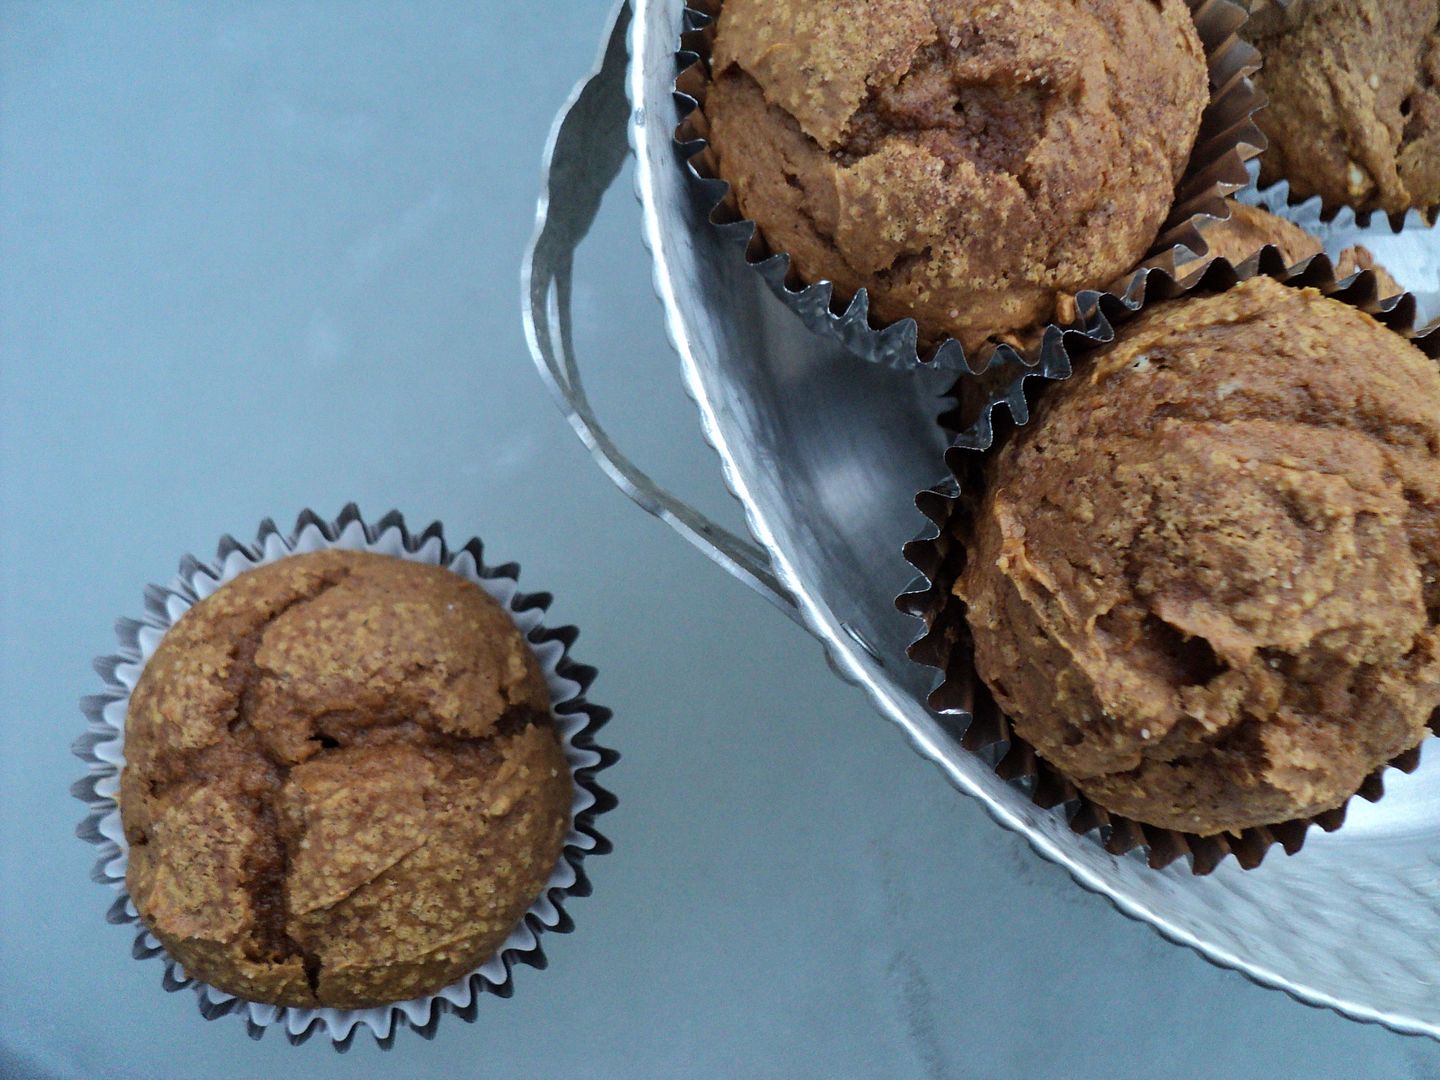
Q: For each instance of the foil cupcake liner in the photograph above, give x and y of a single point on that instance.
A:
(577, 721)
(938, 555)
(1408, 248)
(1227, 140)
(1410, 253)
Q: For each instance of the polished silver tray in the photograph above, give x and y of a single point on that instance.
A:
(826, 453)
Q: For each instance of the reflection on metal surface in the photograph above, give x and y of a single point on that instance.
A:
(582, 158)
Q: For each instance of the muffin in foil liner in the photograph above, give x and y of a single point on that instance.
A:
(1409, 252)
(577, 721)
(1228, 138)
(939, 556)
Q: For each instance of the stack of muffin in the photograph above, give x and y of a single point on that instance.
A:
(1203, 584)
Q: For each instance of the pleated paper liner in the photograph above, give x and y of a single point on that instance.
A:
(1228, 138)
(939, 556)
(576, 720)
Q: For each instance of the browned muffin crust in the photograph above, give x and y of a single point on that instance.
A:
(967, 163)
(1204, 581)
(1354, 89)
(342, 783)
(1248, 229)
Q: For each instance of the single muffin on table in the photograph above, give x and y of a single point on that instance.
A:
(1204, 580)
(969, 164)
(1354, 88)
(342, 783)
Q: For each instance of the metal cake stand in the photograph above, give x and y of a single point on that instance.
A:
(826, 453)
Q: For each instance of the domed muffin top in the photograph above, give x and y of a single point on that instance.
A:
(1204, 581)
(1354, 88)
(342, 783)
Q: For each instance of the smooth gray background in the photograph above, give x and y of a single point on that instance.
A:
(255, 257)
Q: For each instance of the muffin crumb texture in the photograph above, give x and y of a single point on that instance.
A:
(1204, 581)
(965, 162)
(1354, 88)
(342, 784)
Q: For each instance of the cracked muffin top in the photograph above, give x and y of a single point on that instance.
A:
(968, 163)
(1204, 580)
(342, 783)
(1354, 89)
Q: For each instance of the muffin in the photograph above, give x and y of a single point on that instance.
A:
(967, 164)
(1248, 229)
(1354, 89)
(1204, 581)
(342, 784)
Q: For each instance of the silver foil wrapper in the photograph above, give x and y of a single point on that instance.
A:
(1409, 248)
(1410, 252)
(576, 720)
(939, 556)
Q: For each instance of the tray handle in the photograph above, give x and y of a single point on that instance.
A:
(587, 146)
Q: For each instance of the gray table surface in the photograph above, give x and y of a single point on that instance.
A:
(257, 257)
